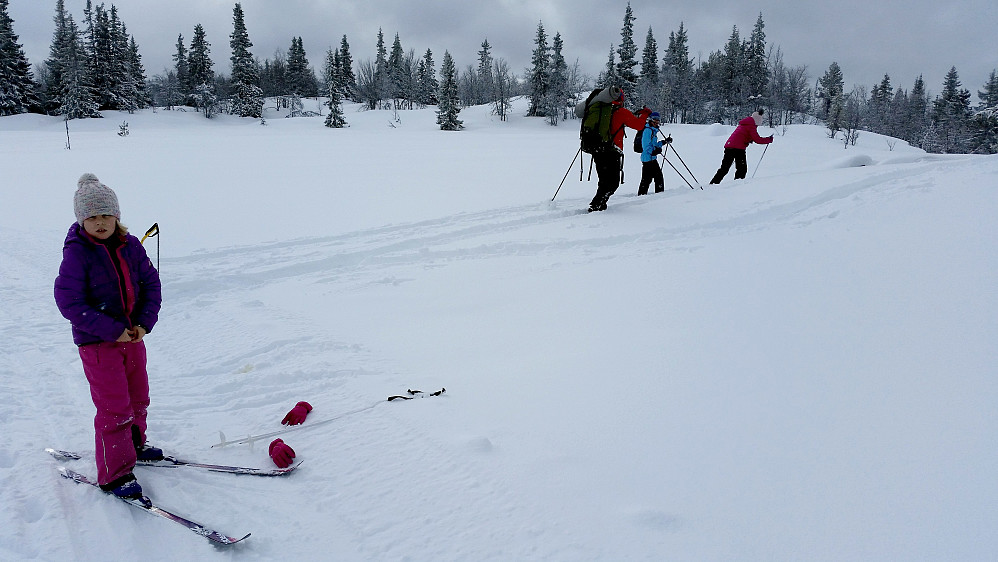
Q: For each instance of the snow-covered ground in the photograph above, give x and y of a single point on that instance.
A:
(798, 366)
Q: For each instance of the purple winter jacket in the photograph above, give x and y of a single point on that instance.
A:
(88, 292)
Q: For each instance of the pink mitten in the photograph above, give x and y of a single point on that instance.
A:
(281, 453)
(297, 414)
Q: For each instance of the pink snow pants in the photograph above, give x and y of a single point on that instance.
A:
(119, 386)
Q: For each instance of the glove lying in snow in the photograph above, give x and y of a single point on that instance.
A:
(297, 414)
(281, 453)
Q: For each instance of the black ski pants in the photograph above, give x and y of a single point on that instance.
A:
(650, 170)
(608, 166)
(736, 155)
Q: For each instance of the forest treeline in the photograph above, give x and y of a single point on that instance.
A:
(95, 65)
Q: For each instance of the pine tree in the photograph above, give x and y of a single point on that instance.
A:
(756, 68)
(16, 81)
(76, 92)
(348, 80)
(334, 83)
(649, 85)
(248, 98)
(449, 105)
(677, 77)
(608, 78)
(916, 115)
(539, 75)
(182, 70)
(202, 77)
(830, 87)
(300, 76)
(989, 96)
(556, 99)
(628, 80)
(951, 115)
(485, 78)
(427, 85)
(138, 75)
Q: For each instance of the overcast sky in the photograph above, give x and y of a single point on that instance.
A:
(867, 38)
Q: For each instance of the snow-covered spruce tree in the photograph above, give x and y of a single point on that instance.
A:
(951, 115)
(398, 76)
(485, 78)
(68, 89)
(76, 94)
(756, 67)
(182, 71)
(608, 78)
(677, 78)
(985, 121)
(448, 105)
(202, 77)
(348, 80)
(628, 50)
(335, 119)
(556, 99)
(649, 86)
(247, 100)
(427, 85)
(17, 90)
(916, 118)
(830, 86)
(138, 75)
(300, 76)
(539, 74)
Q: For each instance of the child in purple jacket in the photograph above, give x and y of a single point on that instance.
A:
(109, 290)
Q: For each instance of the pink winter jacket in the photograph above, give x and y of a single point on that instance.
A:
(745, 133)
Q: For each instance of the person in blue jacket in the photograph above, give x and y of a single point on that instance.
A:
(651, 148)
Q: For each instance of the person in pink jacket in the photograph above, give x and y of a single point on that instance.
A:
(734, 150)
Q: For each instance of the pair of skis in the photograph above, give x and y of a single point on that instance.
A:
(148, 506)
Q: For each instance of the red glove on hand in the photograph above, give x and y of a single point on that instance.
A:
(297, 414)
(281, 453)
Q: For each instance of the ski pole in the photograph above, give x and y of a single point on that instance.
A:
(685, 166)
(567, 172)
(153, 231)
(677, 171)
(760, 159)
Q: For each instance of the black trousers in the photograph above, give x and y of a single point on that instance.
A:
(651, 171)
(608, 170)
(736, 155)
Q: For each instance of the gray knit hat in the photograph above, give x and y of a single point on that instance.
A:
(94, 198)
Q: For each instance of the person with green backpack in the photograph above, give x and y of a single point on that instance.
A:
(602, 135)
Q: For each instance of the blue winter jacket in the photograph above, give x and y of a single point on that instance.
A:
(100, 302)
(649, 142)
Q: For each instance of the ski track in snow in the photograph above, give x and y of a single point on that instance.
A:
(362, 257)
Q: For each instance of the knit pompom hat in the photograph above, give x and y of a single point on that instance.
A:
(94, 198)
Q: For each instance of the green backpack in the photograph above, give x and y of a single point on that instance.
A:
(595, 132)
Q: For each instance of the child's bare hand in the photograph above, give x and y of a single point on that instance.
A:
(125, 336)
(138, 333)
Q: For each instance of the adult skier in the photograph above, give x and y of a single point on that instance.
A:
(734, 149)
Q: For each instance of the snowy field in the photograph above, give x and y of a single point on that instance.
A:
(799, 366)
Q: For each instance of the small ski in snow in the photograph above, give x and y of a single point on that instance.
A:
(410, 394)
(173, 462)
(146, 505)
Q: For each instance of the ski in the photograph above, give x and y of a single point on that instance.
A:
(173, 462)
(410, 394)
(146, 505)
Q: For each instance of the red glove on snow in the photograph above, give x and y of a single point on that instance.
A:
(281, 453)
(297, 414)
